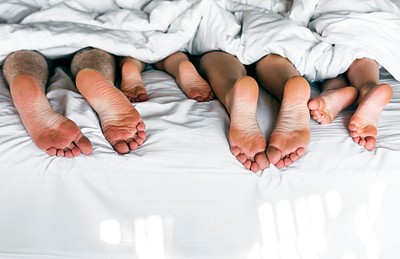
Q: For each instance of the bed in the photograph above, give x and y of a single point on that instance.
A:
(183, 194)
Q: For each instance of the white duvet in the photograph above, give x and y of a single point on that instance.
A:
(320, 38)
(147, 30)
(350, 29)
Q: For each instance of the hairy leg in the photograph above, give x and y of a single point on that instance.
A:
(239, 94)
(186, 76)
(122, 125)
(363, 74)
(336, 95)
(26, 73)
(131, 79)
(291, 134)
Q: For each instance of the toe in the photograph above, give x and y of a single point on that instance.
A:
(287, 161)
(143, 97)
(273, 154)
(241, 158)
(280, 164)
(141, 126)
(121, 147)
(294, 157)
(370, 143)
(84, 144)
(247, 164)
(133, 145)
(254, 167)
(261, 160)
(68, 153)
(51, 151)
(76, 151)
(60, 152)
(300, 151)
(235, 150)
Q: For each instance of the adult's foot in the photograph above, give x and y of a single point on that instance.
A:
(121, 123)
(51, 132)
(192, 84)
(325, 107)
(363, 123)
(291, 135)
(245, 137)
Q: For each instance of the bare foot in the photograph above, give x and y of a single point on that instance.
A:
(51, 132)
(245, 137)
(192, 84)
(121, 124)
(325, 107)
(291, 134)
(131, 82)
(363, 124)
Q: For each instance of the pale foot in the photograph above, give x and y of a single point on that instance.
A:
(192, 84)
(363, 124)
(245, 137)
(291, 134)
(325, 107)
(121, 124)
(51, 132)
(131, 82)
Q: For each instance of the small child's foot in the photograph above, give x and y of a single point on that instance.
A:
(192, 84)
(363, 124)
(245, 137)
(325, 107)
(121, 123)
(291, 134)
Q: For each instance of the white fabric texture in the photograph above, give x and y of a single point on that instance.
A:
(248, 29)
(150, 32)
(348, 30)
(184, 195)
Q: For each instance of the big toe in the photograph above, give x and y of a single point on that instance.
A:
(370, 143)
(261, 160)
(84, 144)
(313, 104)
(273, 154)
(121, 147)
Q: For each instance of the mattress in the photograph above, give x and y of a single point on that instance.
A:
(184, 195)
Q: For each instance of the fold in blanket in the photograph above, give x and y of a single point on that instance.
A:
(319, 37)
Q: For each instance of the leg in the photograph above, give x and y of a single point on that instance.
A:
(239, 94)
(186, 76)
(291, 134)
(363, 74)
(26, 73)
(122, 125)
(131, 79)
(336, 95)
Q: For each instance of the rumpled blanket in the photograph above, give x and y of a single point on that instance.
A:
(320, 37)
(348, 30)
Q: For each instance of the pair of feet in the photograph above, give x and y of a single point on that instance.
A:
(363, 124)
(189, 80)
(291, 133)
(57, 135)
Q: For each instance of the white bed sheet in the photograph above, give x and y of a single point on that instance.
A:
(183, 195)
